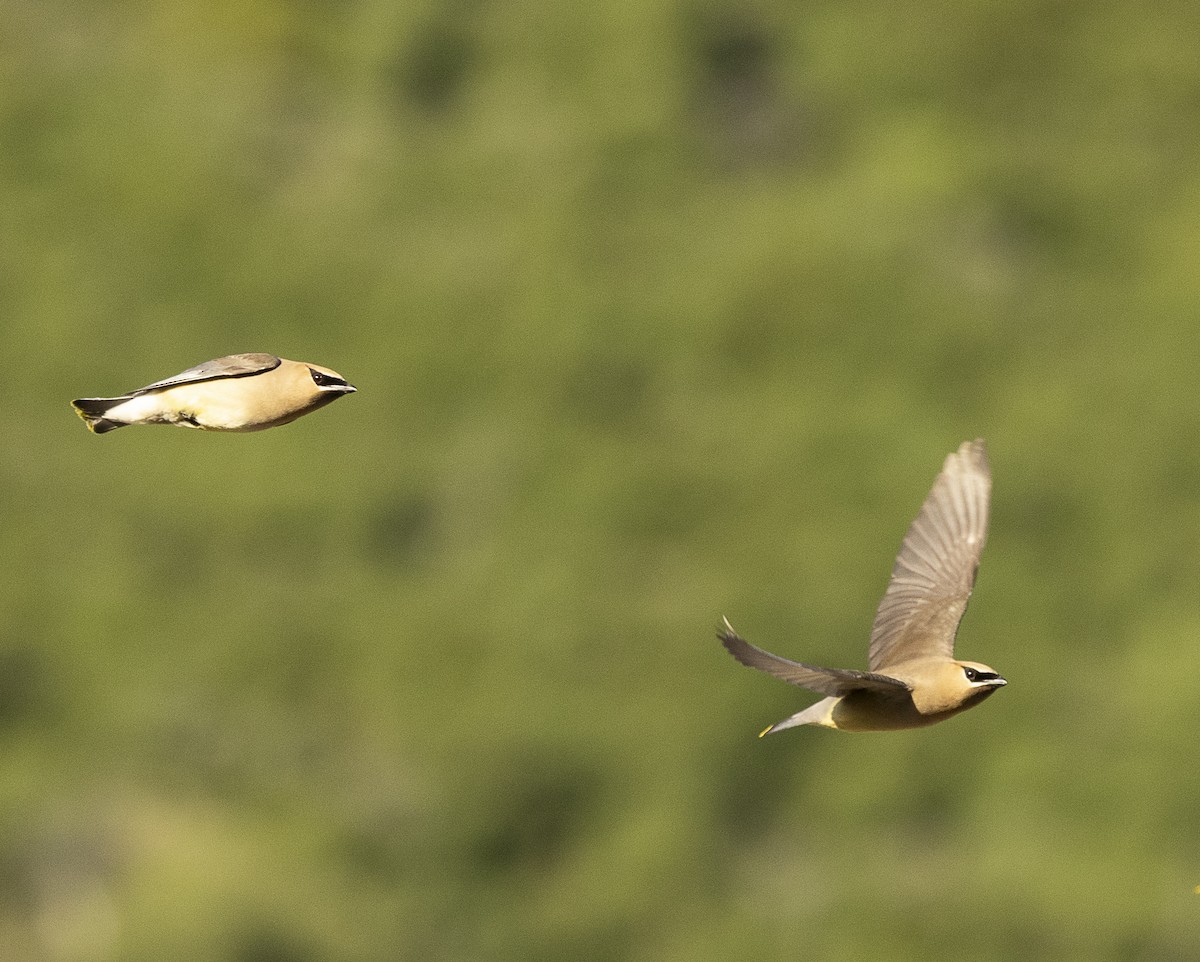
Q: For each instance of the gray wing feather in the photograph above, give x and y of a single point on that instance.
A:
(826, 681)
(235, 365)
(935, 570)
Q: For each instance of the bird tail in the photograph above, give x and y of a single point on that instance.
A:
(818, 713)
(93, 411)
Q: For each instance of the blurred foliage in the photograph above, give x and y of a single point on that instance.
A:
(659, 311)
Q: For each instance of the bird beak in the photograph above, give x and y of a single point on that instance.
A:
(997, 682)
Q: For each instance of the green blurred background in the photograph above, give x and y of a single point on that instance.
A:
(659, 311)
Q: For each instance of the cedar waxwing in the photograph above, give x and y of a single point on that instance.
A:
(913, 678)
(242, 392)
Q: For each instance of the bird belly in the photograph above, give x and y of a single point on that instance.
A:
(874, 711)
(226, 404)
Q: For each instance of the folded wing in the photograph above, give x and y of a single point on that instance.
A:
(235, 365)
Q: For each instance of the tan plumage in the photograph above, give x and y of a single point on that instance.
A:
(913, 678)
(242, 392)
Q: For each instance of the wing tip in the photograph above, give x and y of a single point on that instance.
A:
(971, 455)
(742, 651)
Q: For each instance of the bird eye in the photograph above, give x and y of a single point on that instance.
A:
(971, 673)
(323, 380)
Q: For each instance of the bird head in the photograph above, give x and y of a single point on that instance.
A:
(328, 381)
(978, 681)
(939, 686)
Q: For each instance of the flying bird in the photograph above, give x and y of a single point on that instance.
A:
(242, 392)
(913, 678)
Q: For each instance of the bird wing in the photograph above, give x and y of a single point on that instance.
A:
(235, 365)
(935, 570)
(826, 681)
